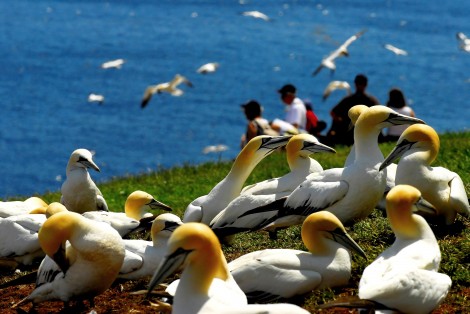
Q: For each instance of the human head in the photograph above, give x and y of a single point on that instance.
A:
(252, 109)
(287, 93)
(396, 99)
(361, 82)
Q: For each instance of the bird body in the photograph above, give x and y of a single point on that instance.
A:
(96, 98)
(334, 85)
(418, 147)
(205, 208)
(117, 64)
(464, 42)
(13, 208)
(136, 214)
(257, 14)
(87, 254)
(207, 68)
(167, 87)
(404, 277)
(79, 192)
(329, 61)
(271, 274)
(395, 50)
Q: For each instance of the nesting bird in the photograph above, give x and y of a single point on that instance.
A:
(79, 193)
(205, 208)
(136, 216)
(417, 148)
(405, 276)
(13, 208)
(167, 87)
(270, 274)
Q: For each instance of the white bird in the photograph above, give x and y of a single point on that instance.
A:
(215, 148)
(257, 15)
(205, 208)
(117, 64)
(329, 61)
(351, 193)
(168, 87)
(13, 208)
(270, 274)
(334, 85)
(136, 216)
(83, 259)
(464, 41)
(143, 257)
(207, 68)
(404, 277)
(96, 98)
(418, 147)
(395, 50)
(206, 285)
(19, 235)
(79, 192)
(230, 220)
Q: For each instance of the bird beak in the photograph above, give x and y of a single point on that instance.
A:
(89, 164)
(344, 239)
(154, 204)
(171, 225)
(396, 153)
(317, 147)
(167, 266)
(61, 259)
(423, 206)
(274, 142)
(399, 119)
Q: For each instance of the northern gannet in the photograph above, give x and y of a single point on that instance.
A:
(334, 85)
(418, 147)
(210, 67)
(270, 274)
(404, 277)
(96, 98)
(205, 285)
(83, 259)
(79, 193)
(205, 208)
(351, 193)
(230, 220)
(143, 257)
(464, 41)
(13, 208)
(257, 15)
(215, 148)
(329, 61)
(117, 64)
(395, 50)
(19, 235)
(168, 87)
(136, 216)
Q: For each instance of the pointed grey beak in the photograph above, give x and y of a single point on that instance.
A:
(399, 119)
(274, 142)
(168, 266)
(89, 164)
(154, 204)
(423, 206)
(397, 152)
(171, 225)
(344, 239)
(317, 147)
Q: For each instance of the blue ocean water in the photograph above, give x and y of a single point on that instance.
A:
(52, 51)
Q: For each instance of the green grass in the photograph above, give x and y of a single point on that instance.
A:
(178, 186)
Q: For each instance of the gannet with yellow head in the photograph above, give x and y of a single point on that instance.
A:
(418, 147)
(79, 193)
(86, 256)
(12, 208)
(206, 284)
(143, 257)
(206, 207)
(404, 277)
(270, 274)
(136, 214)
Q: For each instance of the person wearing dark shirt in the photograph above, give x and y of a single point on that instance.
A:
(341, 131)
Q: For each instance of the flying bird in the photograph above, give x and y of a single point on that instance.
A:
(257, 15)
(208, 68)
(116, 64)
(96, 98)
(329, 61)
(334, 85)
(215, 148)
(464, 41)
(395, 50)
(168, 87)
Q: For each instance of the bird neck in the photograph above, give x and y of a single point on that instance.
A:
(366, 144)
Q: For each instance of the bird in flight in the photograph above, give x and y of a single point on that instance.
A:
(333, 85)
(208, 68)
(464, 41)
(215, 148)
(395, 50)
(329, 61)
(117, 64)
(168, 87)
(96, 98)
(257, 14)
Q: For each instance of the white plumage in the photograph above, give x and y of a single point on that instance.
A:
(167, 87)
(13, 208)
